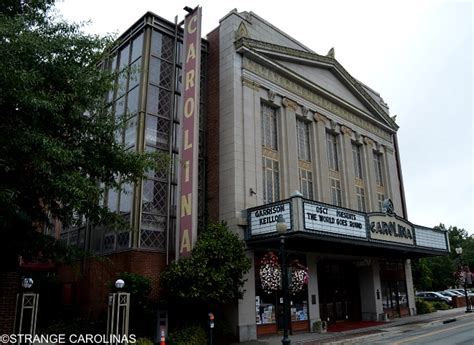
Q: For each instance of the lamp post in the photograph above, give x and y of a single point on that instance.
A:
(464, 273)
(281, 228)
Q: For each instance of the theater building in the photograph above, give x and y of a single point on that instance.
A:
(282, 131)
(294, 134)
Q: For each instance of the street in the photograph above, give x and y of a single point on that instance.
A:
(460, 331)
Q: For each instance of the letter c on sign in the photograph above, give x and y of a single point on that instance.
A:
(192, 21)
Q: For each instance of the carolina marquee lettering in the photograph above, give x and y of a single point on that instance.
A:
(390, 229)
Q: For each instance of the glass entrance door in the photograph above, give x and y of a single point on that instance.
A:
(339, 297)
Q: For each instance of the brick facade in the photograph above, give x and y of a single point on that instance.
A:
(94, 277)
(9, 284)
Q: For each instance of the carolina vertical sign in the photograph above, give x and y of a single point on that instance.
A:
(188, 210)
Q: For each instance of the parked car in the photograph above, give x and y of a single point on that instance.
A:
(433, 296)
(461, 292)
(455, 292)
(449, 293)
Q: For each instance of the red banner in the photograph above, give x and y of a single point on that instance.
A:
(188, 210)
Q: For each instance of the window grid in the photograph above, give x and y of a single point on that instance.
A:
(271, 180)
(360, 193)
(269, 127)
(380, 199)
(332, 151)
(302, 133)
(336, 192)
(306, 183)
(378, 169)
(357, 157)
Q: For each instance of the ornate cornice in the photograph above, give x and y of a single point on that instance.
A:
(313, 97)
(252, 84)
(369, 141)
(346, 130)
(326, 60)
(288, 103)
(320, 118)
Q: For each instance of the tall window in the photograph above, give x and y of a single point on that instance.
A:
(302, 133)
(360, 193)
(333, 158)
(304, 159)
(380, 199)
(270, 159)
(336, 192)
(271, 180)
(306, 183)
(357, 157)
(378, 163)
(269, 127)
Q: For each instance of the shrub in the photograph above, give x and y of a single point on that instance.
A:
(424, 307)
(190, 335)
(438, 305)
(144, 341)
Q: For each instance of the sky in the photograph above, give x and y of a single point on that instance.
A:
(417, 54)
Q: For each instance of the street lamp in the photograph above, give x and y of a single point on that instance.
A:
(119, 284)
(464, 273)
(281, 228)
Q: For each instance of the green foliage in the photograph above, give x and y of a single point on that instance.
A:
(141, 313)
(438, 305)
(144, 341)
(423, 307)
(436, 273)
(56, 131)
(214, 271)
(190, 335)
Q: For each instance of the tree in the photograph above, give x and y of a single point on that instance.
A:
(56, 132)
(436, 273)
(213, 274)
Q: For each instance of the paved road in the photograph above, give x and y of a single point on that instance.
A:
(460, 331)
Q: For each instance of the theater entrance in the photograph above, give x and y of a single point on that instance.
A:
(339, 296)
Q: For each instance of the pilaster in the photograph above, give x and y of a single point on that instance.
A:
(290, 147)
(410, 289)
(349, 172)
(322, 169)
(370, 173)
(313, 292)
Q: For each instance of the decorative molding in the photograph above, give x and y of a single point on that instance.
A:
(331, 53)
(313, 97)
(320, 118)
(346, 130)
(305, 165)
(252, 84)
(358, 138)
(389, 149)
(304, 111)
(333, 125)
(369, 141)
(379, 148)
(288, 103)
(271, 95)
(250, 43)
(270, 153)
(242, 31)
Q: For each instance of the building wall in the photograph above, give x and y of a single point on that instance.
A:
(95, 277)
(324, 101)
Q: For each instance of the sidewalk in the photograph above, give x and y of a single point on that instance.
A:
(335, 337)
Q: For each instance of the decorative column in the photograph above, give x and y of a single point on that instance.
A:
(370, 173)
(289, 164)
(251, 172)
(322, 169)
(410, 289)
(348, 168)
(313, 293)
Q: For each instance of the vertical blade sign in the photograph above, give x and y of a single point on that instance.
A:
(188, 209)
